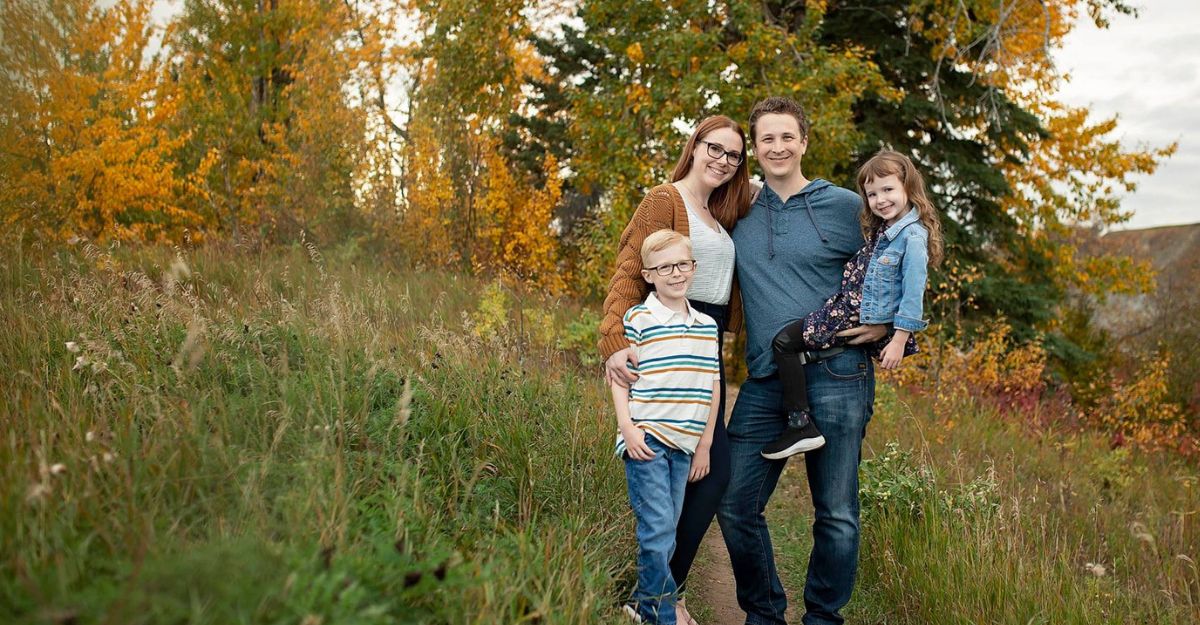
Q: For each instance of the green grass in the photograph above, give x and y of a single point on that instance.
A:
(271, 439)
(278, 438)
(972, 517)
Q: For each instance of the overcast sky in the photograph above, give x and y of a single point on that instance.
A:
(1146, 70)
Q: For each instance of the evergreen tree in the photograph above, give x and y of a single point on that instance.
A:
(970, 97)
(949, 122)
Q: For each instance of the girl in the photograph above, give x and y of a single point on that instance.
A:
(883, 283)
(708, 193)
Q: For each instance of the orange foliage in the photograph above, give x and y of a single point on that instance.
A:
(463, 200)
(87, 151)
(991, 369)
(426, 225)
(1136, 410)
(265, 100)
(1076, 171)
(1074, 176)
(517, 236)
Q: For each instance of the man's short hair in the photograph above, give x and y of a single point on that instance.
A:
(780, 105)
(661, 240)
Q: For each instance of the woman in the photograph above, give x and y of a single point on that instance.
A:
(708, 193)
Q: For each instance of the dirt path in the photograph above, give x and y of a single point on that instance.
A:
(713, 594)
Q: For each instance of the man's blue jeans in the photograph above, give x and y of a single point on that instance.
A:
(841, 391)
(656, 490)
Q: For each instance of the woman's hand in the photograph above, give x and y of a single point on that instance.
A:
(700, 463)
(616, 371)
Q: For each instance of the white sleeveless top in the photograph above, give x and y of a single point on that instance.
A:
(713, 251)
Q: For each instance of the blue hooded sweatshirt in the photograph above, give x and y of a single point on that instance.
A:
(790, 258)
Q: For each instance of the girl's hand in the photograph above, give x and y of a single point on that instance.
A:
(616, 371)
(635, 444)
(892, 354)
(700, 464)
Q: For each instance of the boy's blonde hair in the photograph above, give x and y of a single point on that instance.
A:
(661, 240)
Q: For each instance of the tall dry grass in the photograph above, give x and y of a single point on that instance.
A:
(217, 436)
(979, 509)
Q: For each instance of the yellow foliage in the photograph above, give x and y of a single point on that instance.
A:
(1075, 171)
(265, 99)
(490, 318)
(427, 221)
(1069, 180)
(1138, 410)
(493, 318)
(517, 236)
(634, 52)
(990, 367)
(87, 151)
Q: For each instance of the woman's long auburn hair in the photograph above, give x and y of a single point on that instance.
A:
(892, 163)
(730, 201)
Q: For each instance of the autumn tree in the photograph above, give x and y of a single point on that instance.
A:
(464, 200)
(517, 235)
(637, 75)
(87, 149)
(971, 98)
(266, 113)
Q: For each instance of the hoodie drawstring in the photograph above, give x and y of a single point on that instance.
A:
(813, 218)
(771, 226)
(771, 233)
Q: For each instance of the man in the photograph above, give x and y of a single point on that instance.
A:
(791, 249)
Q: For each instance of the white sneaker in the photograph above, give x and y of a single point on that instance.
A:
(631, 612)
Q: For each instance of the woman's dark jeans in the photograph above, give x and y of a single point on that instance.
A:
(702, 498)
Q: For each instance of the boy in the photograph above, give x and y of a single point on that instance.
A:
(666, 419)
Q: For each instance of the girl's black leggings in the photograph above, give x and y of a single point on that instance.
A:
(786, 349)
(701, 499)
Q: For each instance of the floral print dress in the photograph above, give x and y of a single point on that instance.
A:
(840, 312)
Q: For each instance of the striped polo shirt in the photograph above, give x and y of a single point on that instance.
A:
(677, 364)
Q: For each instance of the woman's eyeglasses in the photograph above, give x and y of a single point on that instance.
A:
(686, 266)
(717, 151)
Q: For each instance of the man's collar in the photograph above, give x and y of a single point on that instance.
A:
(768, 195)
(893, 230)
(663, 315)
(776, 198)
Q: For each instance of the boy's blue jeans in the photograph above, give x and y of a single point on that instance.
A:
(656, 494)
(841, 391)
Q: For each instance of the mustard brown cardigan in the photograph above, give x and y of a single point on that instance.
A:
(662, 207)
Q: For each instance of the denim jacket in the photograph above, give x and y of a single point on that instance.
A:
(894, 286)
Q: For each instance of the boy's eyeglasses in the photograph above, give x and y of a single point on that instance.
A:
(717, 151)
(686, 266)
